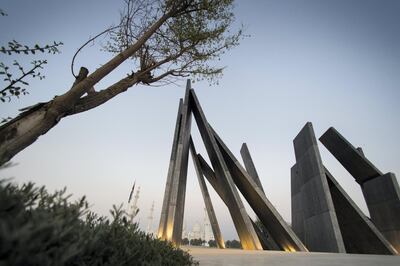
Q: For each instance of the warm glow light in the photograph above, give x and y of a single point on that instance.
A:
(251, 245)
(246, 246)
(289, 249)
(170, 228)
(160, 232)
(397, 249)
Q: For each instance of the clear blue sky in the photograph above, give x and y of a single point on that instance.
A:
(334, 63)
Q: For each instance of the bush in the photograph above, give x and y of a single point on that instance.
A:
(212, 243)
(185, 241)
(196, 242)
(233, 244)
(38, 228)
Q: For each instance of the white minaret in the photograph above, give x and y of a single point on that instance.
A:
(150, 220)
(184, 231)
(134, 209)
(207, 233)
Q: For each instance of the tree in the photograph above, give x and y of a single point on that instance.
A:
(185, 241)
(233, 244)
(196, 242)
(212, 243)
(165, 39)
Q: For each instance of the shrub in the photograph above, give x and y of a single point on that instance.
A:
(233, 244)
(196, 242)
(212, 243)
(185, 241)
(40, 228)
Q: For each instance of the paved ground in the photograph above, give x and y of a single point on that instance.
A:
(212, 256)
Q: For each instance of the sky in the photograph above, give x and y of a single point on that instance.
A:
(333, 63)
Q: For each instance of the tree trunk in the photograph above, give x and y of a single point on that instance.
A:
(22, 131)
(25, 129)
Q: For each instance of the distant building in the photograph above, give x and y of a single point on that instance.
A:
(149, 229)
(207, 230)
(185, 233)
(196, 232)
(199, 232)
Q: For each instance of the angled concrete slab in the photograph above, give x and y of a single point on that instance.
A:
(262, 232)
(162, 229)
(283, 235)
(352, 159)
(359, 234)
(211, 178)
(296, 200)
(266, 240)
(206, 197)
(248, 236)
(249, 164)
(381, 191)
(321, 231)
(173, 223)
(382, 195)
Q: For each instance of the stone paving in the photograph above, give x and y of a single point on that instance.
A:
(213, 256)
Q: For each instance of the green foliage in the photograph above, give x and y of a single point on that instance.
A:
(212, 243)
(15, 76)
(188, 44)
(14, 84)
(15, 47)
(40, 228)
(196, 242)
(233, 244)
(185, 241)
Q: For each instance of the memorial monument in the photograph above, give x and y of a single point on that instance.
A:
(324, 217)
(225, 175)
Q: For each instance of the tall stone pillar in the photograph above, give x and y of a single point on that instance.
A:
(171, 222)
(312, 198)
(249, 164)
(282, 234)
(244, 227)
(206, 197)
(268, 242)
(162, 229)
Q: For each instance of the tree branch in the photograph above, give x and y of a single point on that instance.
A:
(13, 82)
(86, 43)
(16, 47)
(170, 72)
(98, 98)
(64, 102)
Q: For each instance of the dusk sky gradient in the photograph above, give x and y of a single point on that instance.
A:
(333, 63)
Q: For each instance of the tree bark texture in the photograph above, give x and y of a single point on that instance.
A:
(25, 129)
